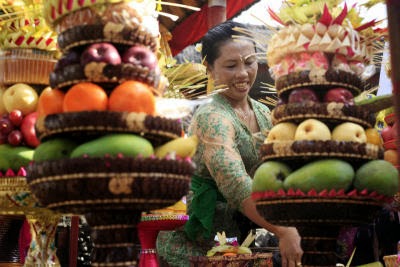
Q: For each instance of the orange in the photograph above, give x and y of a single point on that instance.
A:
(50, 101)
(391, 156)
(373, 136)
(85, 96)
(132, 96)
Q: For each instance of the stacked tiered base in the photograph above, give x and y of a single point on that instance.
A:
(318, 218)
(111, 193)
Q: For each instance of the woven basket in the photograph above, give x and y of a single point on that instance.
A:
(253, 260)
(391, 261)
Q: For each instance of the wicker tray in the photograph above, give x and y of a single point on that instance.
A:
(253, 260)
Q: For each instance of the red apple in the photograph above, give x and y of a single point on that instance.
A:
(340, 95)
(302, 95)
(387, 133)
(140, 55)
(101, 52)
(28, 129)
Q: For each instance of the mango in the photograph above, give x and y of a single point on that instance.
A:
(4, 157)
(377, 175)
(12, 157)
(128, 145)
(58, 148)
(321, 174)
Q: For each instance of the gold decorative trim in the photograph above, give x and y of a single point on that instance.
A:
(111, 175)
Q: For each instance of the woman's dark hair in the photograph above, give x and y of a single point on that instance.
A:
(215, 37)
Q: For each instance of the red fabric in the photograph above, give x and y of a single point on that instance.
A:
(25, 239)
(195, 26)
(147, 232)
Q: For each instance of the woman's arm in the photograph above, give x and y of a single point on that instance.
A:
(289, 239)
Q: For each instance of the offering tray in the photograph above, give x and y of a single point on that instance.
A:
(318, 217)
(111, 193)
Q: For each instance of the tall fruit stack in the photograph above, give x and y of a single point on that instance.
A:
(99, 126)
(27, 55)
(323, 161)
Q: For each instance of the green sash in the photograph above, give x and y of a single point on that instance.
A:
(202, 211)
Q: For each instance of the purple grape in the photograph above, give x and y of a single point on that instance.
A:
(6, 126)
(15, 138)
(3, 138)
(16, 117)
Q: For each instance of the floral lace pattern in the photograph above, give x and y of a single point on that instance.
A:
(227, 152)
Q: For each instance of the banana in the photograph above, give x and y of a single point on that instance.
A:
(182, 147)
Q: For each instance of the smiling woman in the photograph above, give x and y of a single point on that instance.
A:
(227, 127)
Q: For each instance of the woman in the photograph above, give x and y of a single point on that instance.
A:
(229, 130)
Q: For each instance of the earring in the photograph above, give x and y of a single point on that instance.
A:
(210, 84)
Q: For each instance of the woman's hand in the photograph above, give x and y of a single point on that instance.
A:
(289, 246)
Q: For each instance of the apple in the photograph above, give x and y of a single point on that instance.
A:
(20, 96)
(339, 95)
(28, 129)
(349, 131)
(281, 131)
(312, 129)
(140, 55)
(387, 133)
(302, 95)
(101, 52)
(270, 176)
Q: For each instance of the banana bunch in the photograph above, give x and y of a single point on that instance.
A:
(182, 147)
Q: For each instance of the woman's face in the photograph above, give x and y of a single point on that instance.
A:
(236, 67)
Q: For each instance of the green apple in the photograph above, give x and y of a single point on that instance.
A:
(349, 131)
(312, 129)
(377, 175)
(270, 176)
(20, 96)
(281, 131)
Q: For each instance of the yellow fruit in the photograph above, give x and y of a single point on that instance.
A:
(20, 96)
(3, 109)
(373, 136)
(182, 147)
(391, 156)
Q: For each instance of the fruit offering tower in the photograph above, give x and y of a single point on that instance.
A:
(105, 150)
(322, 161)
(27, 56)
